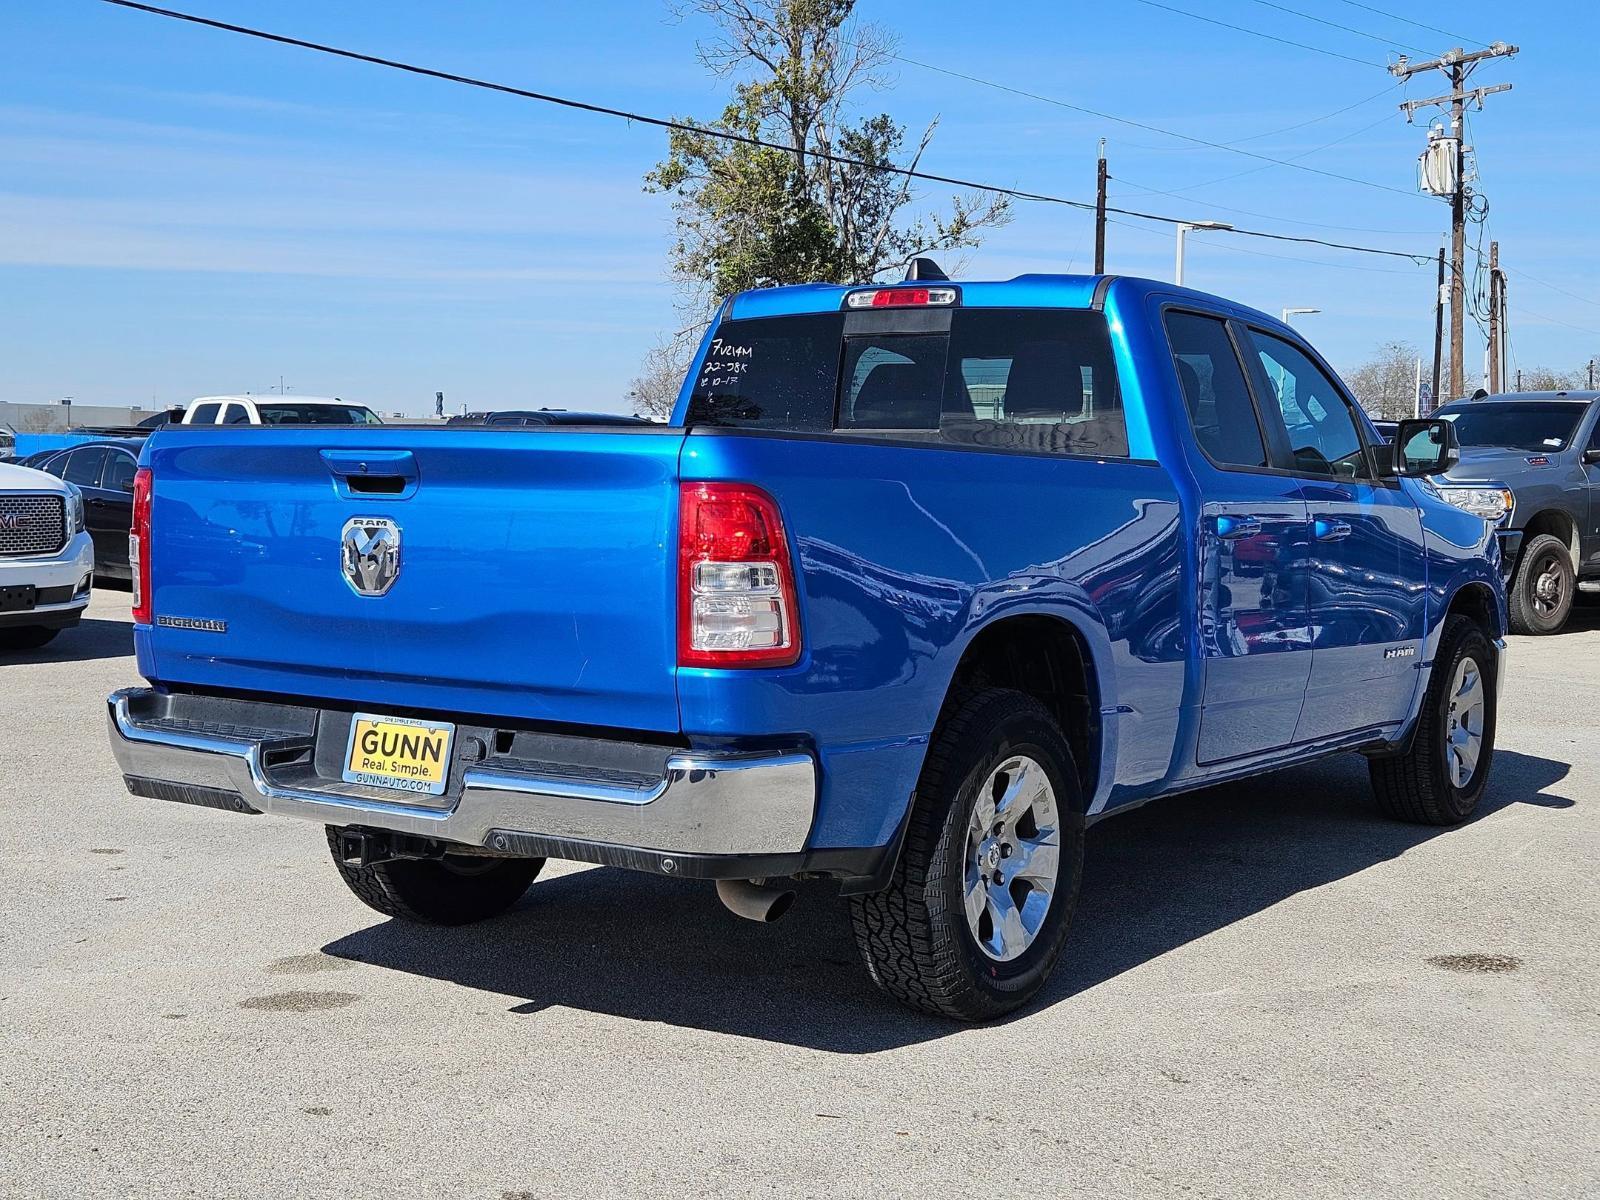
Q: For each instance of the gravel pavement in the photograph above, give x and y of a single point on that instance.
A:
(1269, 991)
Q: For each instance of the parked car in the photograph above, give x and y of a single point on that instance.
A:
(520, 418)
(277, 410)
(8, 445)
(46, 557)
(103, 472)
(1530, 465)
(922, 579)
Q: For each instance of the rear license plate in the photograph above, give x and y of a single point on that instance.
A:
(399, 753)
(17, 598)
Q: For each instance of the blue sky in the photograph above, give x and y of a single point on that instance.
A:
(184, 211)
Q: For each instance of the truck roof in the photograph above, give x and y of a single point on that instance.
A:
(1575, 397)
(1023, 291)
(273, 398)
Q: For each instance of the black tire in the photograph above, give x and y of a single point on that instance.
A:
(26, 637)
(1418, 785)
(914, 936)
(1541, 592)
(454, 890)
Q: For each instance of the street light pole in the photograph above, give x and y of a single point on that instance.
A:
(1298, 312)
(1183, 228)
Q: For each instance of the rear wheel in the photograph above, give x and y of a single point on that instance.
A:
(26, 637)
(977, 912)
(1441, 777)
(1540, 596)
(454, 890)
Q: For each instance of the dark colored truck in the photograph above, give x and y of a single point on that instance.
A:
(1530, 465)
(922, 579)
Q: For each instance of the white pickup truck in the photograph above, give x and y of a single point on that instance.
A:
(46, 557)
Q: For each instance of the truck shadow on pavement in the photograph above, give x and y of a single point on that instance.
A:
(89, 639)
(652, 949)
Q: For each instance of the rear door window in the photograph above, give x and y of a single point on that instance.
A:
(204, 414)
(84, 466)
(1214, 391)
(235, 414)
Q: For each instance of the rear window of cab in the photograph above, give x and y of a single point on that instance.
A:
(1038, 380)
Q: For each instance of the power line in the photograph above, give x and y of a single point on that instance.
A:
(1338, 112)
(717, 134)
(1222, 245)
(1295, 12)
(1148, 128)
(1408, 21)
(1552, 287)
(1181, 193)
(1183, 12)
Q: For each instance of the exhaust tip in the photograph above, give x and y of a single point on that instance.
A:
(754, 901)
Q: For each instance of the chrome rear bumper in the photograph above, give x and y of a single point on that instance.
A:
(702, 804)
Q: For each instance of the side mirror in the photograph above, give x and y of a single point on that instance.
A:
(1424, 448)
(1591, 455)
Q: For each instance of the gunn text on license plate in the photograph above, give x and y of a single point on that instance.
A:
(399, 753)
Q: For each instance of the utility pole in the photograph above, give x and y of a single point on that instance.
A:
(1591, 374)
(1457, 65)
(1438, 328)
(1100, 214)
(1494, 319)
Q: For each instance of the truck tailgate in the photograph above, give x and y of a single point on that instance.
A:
(532, 576)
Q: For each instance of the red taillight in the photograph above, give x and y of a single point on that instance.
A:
(139, 546)
(895, 297)
(736, 592)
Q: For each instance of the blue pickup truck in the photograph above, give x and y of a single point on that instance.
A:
(921, 580)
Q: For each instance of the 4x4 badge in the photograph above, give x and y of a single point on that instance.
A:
(369, 554)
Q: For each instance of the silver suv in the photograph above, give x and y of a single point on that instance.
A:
(46, 557)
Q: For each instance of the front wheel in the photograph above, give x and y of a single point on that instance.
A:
(454, 890)
(977, 912)
(1441, 777)
(1540, 596)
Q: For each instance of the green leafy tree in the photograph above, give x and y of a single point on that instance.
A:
(750, 216)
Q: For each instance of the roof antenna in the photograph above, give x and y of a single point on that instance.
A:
(925, 268)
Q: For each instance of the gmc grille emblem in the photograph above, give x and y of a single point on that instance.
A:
(10, 523)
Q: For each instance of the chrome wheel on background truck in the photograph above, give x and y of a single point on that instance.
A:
(1539, 599)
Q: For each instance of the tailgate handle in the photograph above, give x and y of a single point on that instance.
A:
(391, 473)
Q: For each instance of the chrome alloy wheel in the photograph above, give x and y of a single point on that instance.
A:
(1013, 858)
(1464, 733)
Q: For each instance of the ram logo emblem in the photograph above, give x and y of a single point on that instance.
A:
(369, 554)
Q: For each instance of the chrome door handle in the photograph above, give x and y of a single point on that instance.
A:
(1229, 528)
(1325, 530)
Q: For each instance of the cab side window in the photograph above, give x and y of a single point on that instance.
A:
(1215, 391)
(84, 466)
(1323, 435)
(235, 414)
(204, 414)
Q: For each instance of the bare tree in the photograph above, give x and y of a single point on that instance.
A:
(654, 392)
(1544, 379)
(1386, 383)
